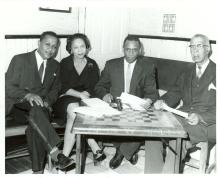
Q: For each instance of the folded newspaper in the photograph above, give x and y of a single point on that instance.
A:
(175, 111)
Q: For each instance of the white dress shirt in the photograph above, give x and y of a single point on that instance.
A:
(203, 67)
(125, 71)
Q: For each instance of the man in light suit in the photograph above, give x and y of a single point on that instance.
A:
(197, 89)
(32, 84)
(131, 74)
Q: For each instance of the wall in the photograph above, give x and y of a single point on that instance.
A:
(191, 17)
(106, 26)
(106, 29)
(25, 18)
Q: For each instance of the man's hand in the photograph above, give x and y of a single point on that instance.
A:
(194, 119)
(84, 95)
(107, 98)
(31, 98)
(148, 103)
(158, 105)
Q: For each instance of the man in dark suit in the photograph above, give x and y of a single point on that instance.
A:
(32, 84)
(131, 74)
(197, 89)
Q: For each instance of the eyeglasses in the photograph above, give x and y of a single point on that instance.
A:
(198, 46)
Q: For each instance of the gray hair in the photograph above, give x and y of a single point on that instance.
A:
(206, 42)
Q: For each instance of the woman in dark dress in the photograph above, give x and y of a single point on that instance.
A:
(79, 74)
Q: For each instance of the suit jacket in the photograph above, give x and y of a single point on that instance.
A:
(206, 105)
(143, 82)
(22, 77)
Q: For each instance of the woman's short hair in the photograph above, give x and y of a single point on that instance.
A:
(71, 38)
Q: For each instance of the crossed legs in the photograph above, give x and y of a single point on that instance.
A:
(69, 136)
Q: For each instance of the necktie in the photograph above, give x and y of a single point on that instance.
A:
(128, 78)
(199, 72)
(41, 70)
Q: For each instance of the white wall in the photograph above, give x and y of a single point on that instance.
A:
(22, 18)
(106, 29)
(191, 17)
(106, 26)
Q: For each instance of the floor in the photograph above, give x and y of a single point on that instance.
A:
(103, 168)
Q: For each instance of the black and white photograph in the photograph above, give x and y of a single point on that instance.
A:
(109, 87)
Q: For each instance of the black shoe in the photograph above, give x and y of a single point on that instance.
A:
(115, 162)
(98, 157)
(64, 162)
(134, 159)
(38, 172)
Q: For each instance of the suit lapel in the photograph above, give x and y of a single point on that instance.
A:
(190, 78)
(208, 75)
(33, 67)
(48, 72)
(120, 74)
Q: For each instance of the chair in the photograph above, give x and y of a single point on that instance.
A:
(202, 163)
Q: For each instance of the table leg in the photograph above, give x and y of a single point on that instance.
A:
(146, 158)
(178, 155)
(78, 154)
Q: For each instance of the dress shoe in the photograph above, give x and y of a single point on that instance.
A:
(98, 157)
(63, 161)
(134, 159)
(115, 162)
(38, 172)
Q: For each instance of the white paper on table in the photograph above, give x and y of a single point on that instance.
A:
(175, 111)
(96, 111)
(95, 102)
(134, 102)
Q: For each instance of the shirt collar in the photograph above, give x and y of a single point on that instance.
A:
(126, 63)
(40, 60)
(204, 66)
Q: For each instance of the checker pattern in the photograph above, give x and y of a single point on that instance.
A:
(129, 117)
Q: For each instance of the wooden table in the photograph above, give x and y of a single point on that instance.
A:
(165, 125)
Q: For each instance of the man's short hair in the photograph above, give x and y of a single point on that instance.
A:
(204, 37)
(50, 33)
(132, 38)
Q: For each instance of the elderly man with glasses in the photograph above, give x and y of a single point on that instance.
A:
(196, 88)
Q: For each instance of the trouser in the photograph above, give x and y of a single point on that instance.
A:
(129, 148)
(41, 136)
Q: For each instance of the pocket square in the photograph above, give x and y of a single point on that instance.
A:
(211, 86)
(54, 74)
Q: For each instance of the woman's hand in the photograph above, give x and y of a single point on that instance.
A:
(108, 98)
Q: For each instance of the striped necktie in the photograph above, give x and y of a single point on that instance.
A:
(199, 72)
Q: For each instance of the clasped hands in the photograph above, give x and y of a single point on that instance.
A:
(108, 99)
(193, 118)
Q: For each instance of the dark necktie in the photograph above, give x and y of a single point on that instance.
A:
(41, 70)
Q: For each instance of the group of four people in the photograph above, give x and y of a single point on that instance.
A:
(39, 89)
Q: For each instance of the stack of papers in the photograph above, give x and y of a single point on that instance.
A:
(96, 108)
(134, 102)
